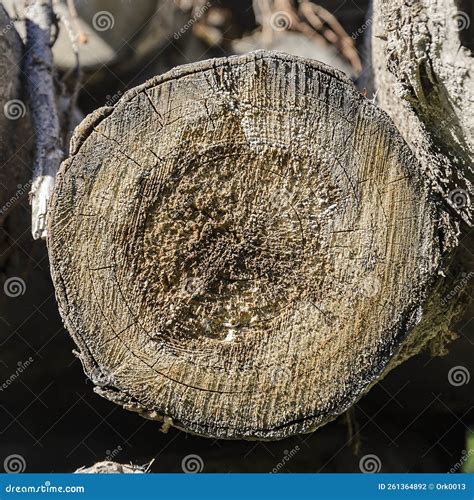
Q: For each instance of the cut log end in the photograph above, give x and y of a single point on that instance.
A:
(241, 246)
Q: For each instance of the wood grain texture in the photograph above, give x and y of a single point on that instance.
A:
(423, 75)
(240, 246)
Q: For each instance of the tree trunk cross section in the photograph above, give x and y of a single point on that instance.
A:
(241, 246)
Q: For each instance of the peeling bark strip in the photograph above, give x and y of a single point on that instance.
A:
(40, 86)
(241, 246)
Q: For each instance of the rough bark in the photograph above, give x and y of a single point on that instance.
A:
(13, 111)
(423, 75)
(420, 67)
(16, 143)
(240, 247)
(44, 114)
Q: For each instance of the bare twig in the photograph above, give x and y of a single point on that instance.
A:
(263, 12)
(334, 33)
(40, 86)
(82, 37)
(308, 18)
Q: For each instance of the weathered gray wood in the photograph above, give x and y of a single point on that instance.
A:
(16, 144)
(423, 76)
(42, 102)
(240, 247)
(13, 115)
(421, 72)
(108, 467)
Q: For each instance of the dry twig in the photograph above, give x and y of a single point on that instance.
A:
(39, 19)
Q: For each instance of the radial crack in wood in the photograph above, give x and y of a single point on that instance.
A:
(241, 246)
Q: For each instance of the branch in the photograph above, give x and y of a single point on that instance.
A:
(40, 87)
